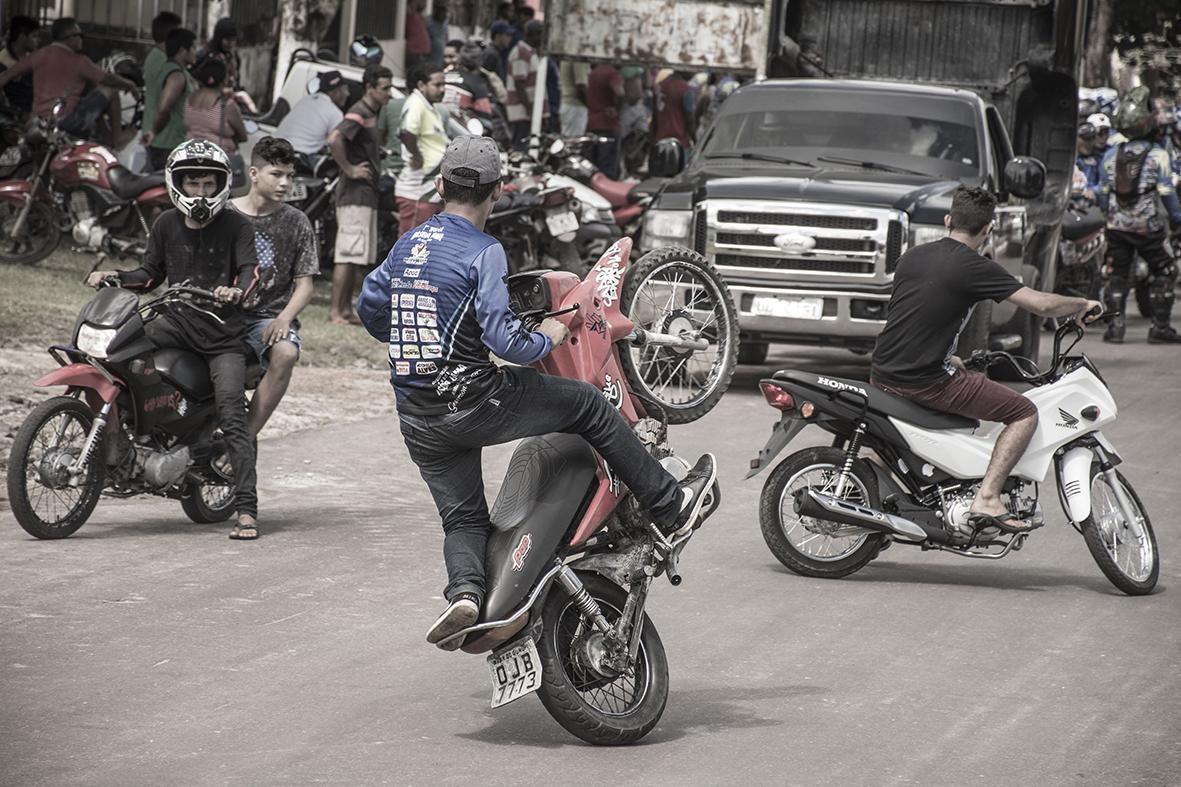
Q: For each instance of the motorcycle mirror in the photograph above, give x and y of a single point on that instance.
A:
(474, 127)
(556, 147)
(1025, 177)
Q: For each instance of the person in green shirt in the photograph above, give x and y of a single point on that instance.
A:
(153, 66)
(167, 127)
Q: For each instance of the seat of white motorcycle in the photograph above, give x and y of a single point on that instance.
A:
(1079, 225)
(128, 185)
(879, 400)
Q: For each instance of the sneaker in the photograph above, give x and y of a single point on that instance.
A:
(694, 491)
(1163, 335)
(463, 611)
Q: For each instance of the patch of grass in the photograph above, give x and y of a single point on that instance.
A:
(39, 303)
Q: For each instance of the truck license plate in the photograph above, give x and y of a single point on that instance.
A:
(297, 193)
(561, 223)
(797, 308)
(515, 673)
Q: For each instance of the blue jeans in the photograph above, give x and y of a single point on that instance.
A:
(447, 448)
(254, 329)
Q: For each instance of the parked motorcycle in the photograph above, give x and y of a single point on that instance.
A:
(827, 512)
(1081, 250)
(134, 420)
(572, 557)
(81, 188)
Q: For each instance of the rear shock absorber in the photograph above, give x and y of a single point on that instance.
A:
(586, 604)
(850, 457)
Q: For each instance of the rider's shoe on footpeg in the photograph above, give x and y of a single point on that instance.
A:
(463, 611)
(694, 490)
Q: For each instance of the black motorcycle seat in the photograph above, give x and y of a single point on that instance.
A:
(516, 200)
(645, 188)
(1076, 226)
(879, 400)
(128, 185)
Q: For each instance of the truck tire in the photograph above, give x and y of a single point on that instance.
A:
(753, 353)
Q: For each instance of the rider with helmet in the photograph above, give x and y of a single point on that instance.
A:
(202, 245)
(1089, 162)
(1103, 135)
(1138, 197)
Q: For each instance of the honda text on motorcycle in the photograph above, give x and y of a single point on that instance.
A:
(827, 512)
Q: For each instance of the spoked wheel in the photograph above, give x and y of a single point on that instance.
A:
(207, 503)
(585, 696)
(38, 238)
(47, 500)
(677, 291)
(814, 547)
(1124, 546)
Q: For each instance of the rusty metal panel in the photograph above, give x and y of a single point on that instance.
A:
(695, 34)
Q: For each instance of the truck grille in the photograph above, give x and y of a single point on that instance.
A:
(843, 243)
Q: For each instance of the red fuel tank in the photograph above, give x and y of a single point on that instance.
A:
(84, 163)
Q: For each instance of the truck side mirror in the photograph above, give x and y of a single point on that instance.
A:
(666, 159)
(1025, 177)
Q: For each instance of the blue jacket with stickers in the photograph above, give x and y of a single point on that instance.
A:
(441, 302)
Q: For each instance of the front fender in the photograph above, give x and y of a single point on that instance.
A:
(17, 191)
(1074, 482)
(81, 375)
(782, 433)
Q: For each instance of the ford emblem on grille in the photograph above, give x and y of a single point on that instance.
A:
(795, 242)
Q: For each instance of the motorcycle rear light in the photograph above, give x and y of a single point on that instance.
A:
(777, 397)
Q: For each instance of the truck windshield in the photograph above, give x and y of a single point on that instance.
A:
(931, 134)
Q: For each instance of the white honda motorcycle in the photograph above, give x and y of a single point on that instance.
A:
(827, 512)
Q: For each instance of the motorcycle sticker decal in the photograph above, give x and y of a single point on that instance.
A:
(408, 318)
(409, 334)
(427, 234)
(432, 351)
(522, 551)
(395, 352)
(406, 301)
(428, 335)
(166, 401)
(88, 171)
(402, 367)
(410, 351)
(418, 255)
(412, 272)
(426, 302)
(427, 320)
(839, 386)
(423, 284)
(425, 368)
(613, 391)
(597, 324)
(608, 275)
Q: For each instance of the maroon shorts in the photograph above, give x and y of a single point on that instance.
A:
(970, 394)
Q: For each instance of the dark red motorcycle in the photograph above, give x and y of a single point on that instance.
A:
(77, 187)
(572, 556)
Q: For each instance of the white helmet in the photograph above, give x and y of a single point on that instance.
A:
(204, 157)
(1100, 121)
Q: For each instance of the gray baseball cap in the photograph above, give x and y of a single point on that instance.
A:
(479, 154)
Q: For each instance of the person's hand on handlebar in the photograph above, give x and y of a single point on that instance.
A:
(555, 330)
(227, 294)
(96, 278)
(1088, 314)
(958, 363)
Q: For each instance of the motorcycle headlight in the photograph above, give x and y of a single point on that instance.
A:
(926, 233)
(94, 341)
(667, 227)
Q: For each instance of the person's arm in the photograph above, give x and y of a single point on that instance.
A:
(411, 143)
(336, 148)
(278, 328)
(16, 69)
(149, 275)
(174, 87)
(373, 304)
(502, 330)
(1049, 304)
(235, 122)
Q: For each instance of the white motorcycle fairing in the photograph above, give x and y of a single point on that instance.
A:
(965, 453)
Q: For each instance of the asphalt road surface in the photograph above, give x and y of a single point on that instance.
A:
(146, 650)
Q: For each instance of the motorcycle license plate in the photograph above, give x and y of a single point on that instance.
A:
(561, 223)
(297, 193)
(515, 672)
(798, 308)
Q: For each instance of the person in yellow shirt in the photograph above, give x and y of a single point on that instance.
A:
(424, 138)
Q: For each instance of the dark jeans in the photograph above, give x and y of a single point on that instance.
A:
(447, 448)
(605, 155)
(83, 119)
(228, 373)
(1122, 248)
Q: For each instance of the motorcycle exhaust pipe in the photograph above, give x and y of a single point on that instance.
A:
(809, 502)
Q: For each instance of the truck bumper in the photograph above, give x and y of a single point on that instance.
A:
(848, 318)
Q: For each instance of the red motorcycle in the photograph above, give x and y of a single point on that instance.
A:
(572, 555)
(81, 188)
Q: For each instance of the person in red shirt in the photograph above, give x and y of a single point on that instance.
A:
(604, 100)
(418, 39)
(61, 71)
(674, 111)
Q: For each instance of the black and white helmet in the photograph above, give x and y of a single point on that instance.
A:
(198, 156)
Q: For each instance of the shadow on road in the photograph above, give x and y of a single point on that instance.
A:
(705, 709)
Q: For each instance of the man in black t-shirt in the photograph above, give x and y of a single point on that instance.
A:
(202, 245)
(936, 286)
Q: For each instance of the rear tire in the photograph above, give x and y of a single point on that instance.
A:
(1104, 535)
(37, 441)
(671, 377)
(205, 509)
(40, 238)
(574, 694)
(785, 532)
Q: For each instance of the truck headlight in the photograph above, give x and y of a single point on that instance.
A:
(926, 233)
(94, 341)
(667, 227)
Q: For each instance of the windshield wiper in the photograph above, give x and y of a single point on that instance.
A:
(871, 165)
(762, 157)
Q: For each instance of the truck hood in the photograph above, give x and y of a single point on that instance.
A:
(925, 201)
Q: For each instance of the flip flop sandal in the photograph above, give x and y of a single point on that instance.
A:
(244, 532)
(221, 465)
(1003, 523)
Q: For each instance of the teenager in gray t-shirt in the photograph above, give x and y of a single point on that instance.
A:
(287, 261)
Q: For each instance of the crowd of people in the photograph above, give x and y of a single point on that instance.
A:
(1129, 169)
